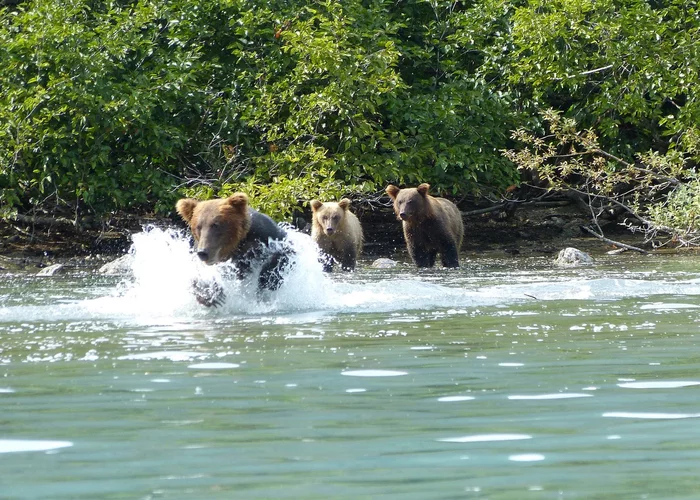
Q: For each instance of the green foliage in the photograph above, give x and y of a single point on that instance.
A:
(116, 104)
(92, 104)
(628, 68)
(679, 213)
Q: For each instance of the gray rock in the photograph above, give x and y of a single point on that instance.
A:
(572, 257)
(122, 265)
(50, 270)
(384, 263)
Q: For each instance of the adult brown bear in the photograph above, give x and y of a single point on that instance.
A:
(227, 229)
(430, 225)
(337, 232)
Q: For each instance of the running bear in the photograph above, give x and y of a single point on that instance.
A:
(430, 225)
(227, 229)
(337, 232)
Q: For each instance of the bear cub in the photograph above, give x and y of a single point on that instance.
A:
(227, 229)
(430, 225)
(337, 232)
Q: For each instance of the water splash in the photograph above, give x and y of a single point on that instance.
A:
(157, 290)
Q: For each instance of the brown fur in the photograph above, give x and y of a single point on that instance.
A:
(430, 225)
(218, 226)
(228, 229)
(337, 232)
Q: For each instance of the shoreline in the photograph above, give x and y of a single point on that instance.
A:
(526, 231)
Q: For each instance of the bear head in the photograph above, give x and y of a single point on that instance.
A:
(329, 216)
(218, 226)
(410, 203)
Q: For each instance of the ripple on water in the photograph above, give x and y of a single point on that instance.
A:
(449, 399)
(667, 306)
(650, 415)
(171, 355)
(373, 373)
(16, 445)
(562, 395)
(482, 438)
(526, 457)
(214, 366)
(658, 384)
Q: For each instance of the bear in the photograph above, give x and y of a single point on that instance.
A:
(337, 232)
(228, 229)
(430, 225)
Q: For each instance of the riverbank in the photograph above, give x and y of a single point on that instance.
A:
(526, 229)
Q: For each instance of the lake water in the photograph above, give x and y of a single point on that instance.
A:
(505, 379)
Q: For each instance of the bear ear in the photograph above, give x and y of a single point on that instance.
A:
(315, 205)
(344, 203)
(185, 207)
(423, 188)
(392, 191)
(238, 200)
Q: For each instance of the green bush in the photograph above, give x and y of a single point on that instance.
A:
(128, 105)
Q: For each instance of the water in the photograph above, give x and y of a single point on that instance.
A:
(505, 379)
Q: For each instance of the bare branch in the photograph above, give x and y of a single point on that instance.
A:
(613, 242)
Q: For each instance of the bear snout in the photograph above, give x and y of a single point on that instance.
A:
(203, 255)
(403, 215)
(330, 230)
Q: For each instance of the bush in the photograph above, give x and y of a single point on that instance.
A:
(128, 105)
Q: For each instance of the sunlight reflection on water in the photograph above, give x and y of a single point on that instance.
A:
(502, 379)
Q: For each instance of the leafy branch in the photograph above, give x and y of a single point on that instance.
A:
(657, 191)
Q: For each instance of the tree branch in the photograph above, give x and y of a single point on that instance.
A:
(613, 242)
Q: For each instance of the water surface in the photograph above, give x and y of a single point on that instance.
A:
(507, 378)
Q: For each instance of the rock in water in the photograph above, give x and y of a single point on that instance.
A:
(122, 265)
(384, 263)
(572, 257)
(50, 270)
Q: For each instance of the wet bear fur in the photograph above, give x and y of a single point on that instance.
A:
(430, 225)
(337, 232)
(227, 229)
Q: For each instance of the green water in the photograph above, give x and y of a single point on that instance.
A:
(506, 379)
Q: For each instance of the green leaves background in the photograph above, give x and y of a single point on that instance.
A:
(130, 104)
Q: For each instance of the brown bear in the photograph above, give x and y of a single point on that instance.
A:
(337, 232)
(228, 229)
(430, 225)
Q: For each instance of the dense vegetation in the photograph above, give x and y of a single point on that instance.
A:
(129, 104)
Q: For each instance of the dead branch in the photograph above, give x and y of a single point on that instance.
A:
(613, 242)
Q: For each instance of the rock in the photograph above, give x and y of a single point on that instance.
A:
(122, 265)
(384, 263)
(572, 257)
(50, 270)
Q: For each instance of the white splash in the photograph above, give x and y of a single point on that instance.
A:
(157, 289)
